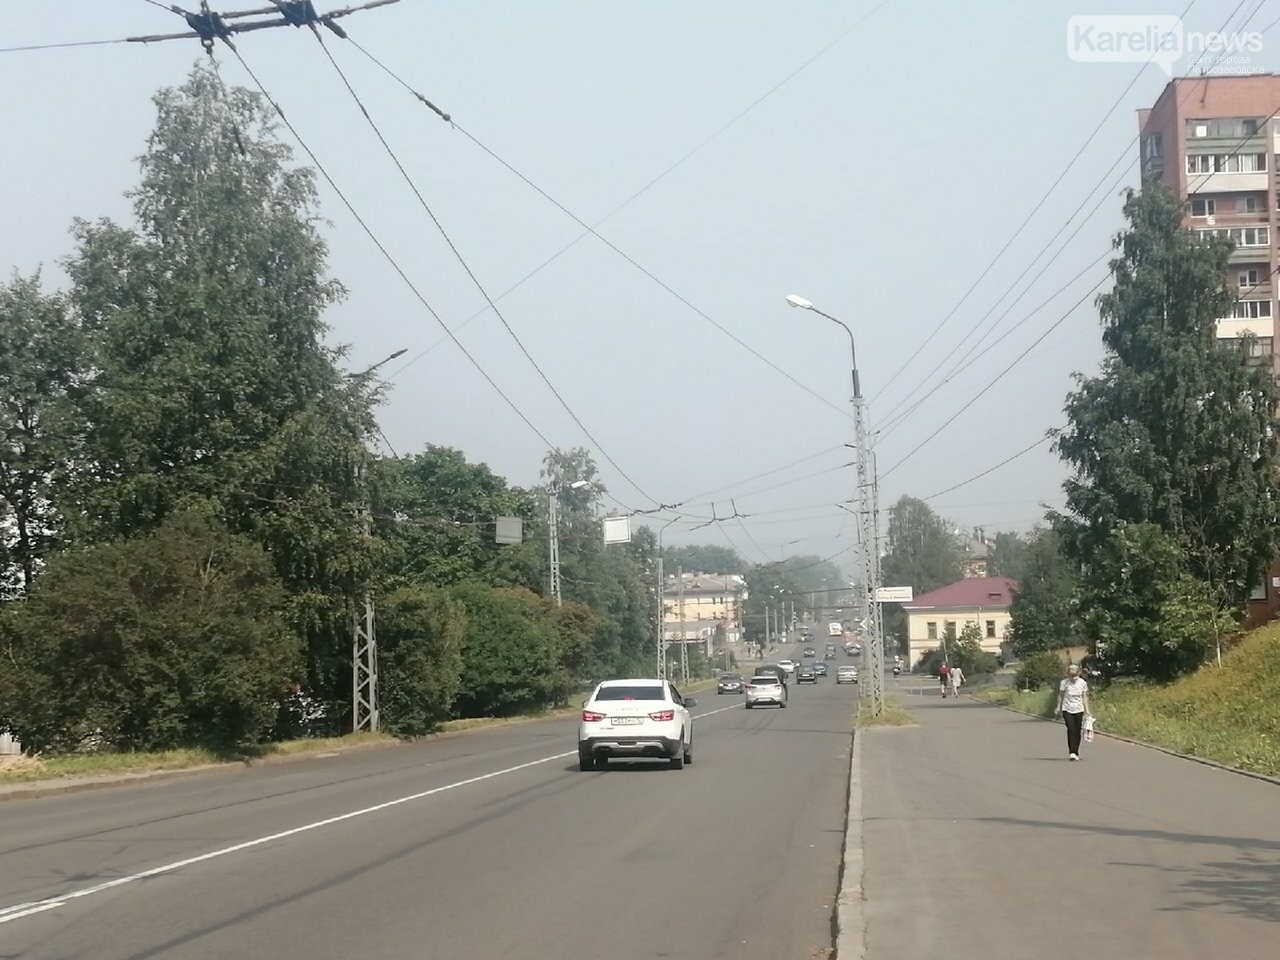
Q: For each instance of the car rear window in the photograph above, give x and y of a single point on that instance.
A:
(647, 691)
(765, 680)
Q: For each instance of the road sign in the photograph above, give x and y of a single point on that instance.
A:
(894, 594)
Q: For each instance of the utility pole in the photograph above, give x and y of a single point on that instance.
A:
(553, 537)
(684, 645)
(868, 521)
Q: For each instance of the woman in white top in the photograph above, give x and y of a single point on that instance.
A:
(1073, 704)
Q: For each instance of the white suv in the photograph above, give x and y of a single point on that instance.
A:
(766, 688)
(635, 718)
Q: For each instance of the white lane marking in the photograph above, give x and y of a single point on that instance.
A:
(18, 911)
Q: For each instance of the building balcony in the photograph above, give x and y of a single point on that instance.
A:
(1230, 182)
(1261, 327)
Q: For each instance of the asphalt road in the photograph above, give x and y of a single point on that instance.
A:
(490, 844)
(981, 840)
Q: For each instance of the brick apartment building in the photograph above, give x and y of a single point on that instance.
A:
(1215, 142)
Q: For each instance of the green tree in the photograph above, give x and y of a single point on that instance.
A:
(175, 638)
(922, 552)
(41, 367)
(963, 651)
(211, 376)
(704, 558)
(1044, 610)
(1008, 556)
(1171, 446)
(435, 513)
(420, 638)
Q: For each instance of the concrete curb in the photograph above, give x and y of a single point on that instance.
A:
(1226, 768)
(850, 916)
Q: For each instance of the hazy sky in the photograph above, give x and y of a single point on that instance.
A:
(879, 182)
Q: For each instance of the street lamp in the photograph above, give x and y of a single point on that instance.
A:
(868, 507)
(553, 533)
(385, 360)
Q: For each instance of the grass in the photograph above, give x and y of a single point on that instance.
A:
(27, 769)
(894, 715)
(1228, 714)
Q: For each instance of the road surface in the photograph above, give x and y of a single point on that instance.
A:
(504, 850)
(982, 840)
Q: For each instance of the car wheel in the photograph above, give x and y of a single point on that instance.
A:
(585, 760)
(688, 753)
(749, 704)
(677, 762)
(783, 705)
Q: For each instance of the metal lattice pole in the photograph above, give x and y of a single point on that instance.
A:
(553, 536)
(364, 648)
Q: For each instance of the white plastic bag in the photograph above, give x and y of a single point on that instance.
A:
(1088, 729)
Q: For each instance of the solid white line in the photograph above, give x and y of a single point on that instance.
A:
(18, 911)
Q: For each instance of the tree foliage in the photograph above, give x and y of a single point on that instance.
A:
(420, 639)
(1008, 556)
(174, 638)
(704, 558)
(41, 368)
(1044, 608)
(1171, 447)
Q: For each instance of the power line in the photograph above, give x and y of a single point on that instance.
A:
(994, 380)
(395, 265)
(1023, 225)
(63, 46)
(990, 470)
(471, 273)
(590, 230)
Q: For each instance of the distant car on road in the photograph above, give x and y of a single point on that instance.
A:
(806, 674)
(635, 718)
(729, 683)
(820, 668)
(808, 652)
(788, 665)
(846, 674)
(766, 688)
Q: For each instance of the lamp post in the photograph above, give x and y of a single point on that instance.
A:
(662, 587)
(364, 639)
(553, 532)
(868, 504)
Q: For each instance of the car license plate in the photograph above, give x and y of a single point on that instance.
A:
(623, 721)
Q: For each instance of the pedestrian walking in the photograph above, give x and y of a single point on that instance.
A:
(955, 677)
(1073, 705)
(943, 670)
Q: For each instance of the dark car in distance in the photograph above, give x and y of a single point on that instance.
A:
(729, 683)
(773, 670)
(805, 673)
(820, 668)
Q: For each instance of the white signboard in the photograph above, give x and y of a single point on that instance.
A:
(617, 529)
(894, 594)
(508, 530)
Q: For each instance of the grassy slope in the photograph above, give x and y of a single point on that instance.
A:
(1229, 714)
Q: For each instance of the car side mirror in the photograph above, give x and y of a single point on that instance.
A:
(585, 702)
(690, 702)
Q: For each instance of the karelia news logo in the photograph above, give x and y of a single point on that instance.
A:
(1161, 40)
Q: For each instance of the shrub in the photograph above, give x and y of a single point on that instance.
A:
(174, 639)
(420, 634)
(1039, 670)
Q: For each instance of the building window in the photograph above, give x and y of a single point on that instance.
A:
(1240, 236)
(1226, 163)
(1200, 163)
(1152, 146)
(1248, 128)
(1204, 208)
(1247, 205)
(1259, 592)
(991, 629)
(931, 629)
(1259, 348)
(1251, 309)
(1249, 278)
(1199, 130)
(949, 628)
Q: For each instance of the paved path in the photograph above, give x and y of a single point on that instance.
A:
(982, 841)
(496, 855)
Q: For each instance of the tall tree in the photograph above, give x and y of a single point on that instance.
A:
(1176, 432)
(704, 558)
(212, 378)
(923, 551)
(1043, 609)
(1008, 556)
(41, 366)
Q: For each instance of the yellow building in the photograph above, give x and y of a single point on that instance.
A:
(706, 602)
(983, 601)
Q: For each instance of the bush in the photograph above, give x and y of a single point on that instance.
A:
(420, 635)
(1039, 670)
(174, 639)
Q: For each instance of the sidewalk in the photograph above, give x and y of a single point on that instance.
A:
(982, 841)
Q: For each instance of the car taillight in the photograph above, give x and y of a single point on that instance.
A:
(663, 715)
(590, 716)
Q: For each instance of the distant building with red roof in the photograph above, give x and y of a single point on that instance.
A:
(983, 601)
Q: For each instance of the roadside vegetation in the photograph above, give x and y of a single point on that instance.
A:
(894, 715)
